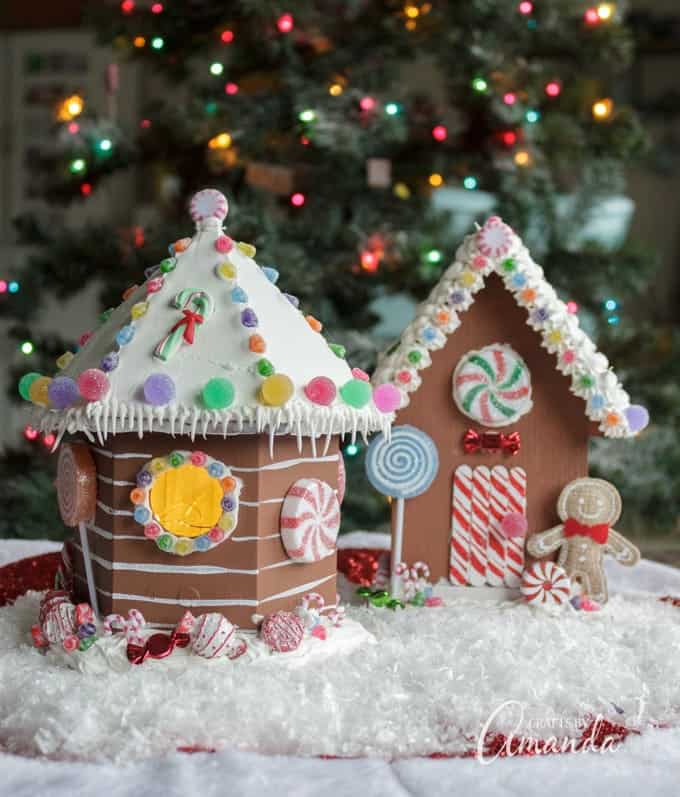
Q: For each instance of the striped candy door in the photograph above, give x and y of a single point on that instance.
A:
(481, 555)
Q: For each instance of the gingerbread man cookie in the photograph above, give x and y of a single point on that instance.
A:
(588, 508)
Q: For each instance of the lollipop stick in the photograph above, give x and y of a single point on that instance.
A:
(397, 541)
(85, 545)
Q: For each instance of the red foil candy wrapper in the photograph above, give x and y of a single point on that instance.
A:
(491, 442)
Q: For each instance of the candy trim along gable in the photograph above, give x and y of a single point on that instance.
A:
(495, 248)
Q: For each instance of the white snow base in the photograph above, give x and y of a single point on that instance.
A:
(436, 678)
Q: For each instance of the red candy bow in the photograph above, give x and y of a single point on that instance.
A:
(491, 442)
(157, 646)
(599, 532)
(189, 323)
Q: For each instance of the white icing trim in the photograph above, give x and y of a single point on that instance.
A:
(264, 501)
(296, 590)
(438, 317)
(288, 463)
(111, 455)
(111, 511)
(252, 539)
(107, 535)
(119, 483)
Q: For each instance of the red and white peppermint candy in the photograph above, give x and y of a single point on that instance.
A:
(495, 238)
(282, 631)
(310, 520)
(545, 584)
(57, 616)
(207, 204)
(211, 635)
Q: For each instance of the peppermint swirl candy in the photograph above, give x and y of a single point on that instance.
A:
(403, 466)
(492, 386)
(545, 584)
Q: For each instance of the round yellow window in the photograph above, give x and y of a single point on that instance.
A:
(186, 501)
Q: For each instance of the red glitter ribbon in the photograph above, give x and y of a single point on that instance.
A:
(189, 322)
(491, 442)
(598, 532)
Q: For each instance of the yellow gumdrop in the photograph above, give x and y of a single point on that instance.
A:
(227, 270)
(468, 279)
(555, 336)
(64, 360)
(183, 547)
(158, 465)
(248, 249)
(139, 309)
(226, 523)
(38, 391)
(276, 389)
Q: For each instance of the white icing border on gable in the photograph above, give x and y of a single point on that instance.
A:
(438, 316)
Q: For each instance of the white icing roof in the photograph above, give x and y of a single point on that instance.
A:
(220, 349)
(496, 248)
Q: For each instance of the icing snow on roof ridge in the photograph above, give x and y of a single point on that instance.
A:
(496, 248)
(208, 344)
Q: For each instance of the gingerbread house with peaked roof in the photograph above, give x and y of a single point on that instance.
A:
(199, 431)
(497, 373)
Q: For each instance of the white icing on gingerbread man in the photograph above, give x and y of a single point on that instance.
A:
(588, 508)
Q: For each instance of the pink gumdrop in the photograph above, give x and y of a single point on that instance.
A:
(224, 244)
(433, 601)
(357, 373)
(93, 384)
(514, 524)
(321, 390)
(588, 605)
(387, 397)
(82, 340)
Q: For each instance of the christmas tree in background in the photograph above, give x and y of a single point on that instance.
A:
(352, 139)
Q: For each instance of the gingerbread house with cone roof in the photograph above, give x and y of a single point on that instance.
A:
(500, 391)
(199, 431)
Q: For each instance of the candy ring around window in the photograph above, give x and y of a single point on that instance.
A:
(187, 502)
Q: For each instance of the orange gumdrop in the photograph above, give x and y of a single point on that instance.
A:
(314, 323)
(182, 244)
(257, 344)
(129, 291)
(529, 295)
(443, 317)
(137, 496)
(612, 419)
(229, 484)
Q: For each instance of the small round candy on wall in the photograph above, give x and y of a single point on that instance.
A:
(403, 466)
(492, 386)
(545, 584)
(310, 520)
(76, 484)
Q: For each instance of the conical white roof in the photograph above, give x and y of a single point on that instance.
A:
(232, 299)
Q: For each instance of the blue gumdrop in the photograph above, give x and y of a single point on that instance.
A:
(216, 469)
(202, 543)
(518, 280)
(597, 402)
(239, 295)
(249, 318)
(109, 362)
(271, 274)
(292, 299)
(142, 514)
(125, 334)
(429, 334)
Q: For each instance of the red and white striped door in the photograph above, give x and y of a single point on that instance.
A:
(481, 555)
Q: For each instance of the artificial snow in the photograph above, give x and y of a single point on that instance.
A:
(435, 679)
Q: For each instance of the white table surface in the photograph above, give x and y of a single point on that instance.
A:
(649, 764)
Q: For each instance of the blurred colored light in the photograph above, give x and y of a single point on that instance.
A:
(352, 450)
(77, 165)
(127, 6)
(439, 133)
(525, 7)
(227, 36)
(49, 440)
(591, 17)
(532, 116)
(157, 42)
(216, 68)
(572, 307)
(369, 261)
(26, 347)
(610, 304)
(411, 11)
(335, 89)
(221, 141)
(85, 189)
(3, 286)
(392, 109)
(510, 98)
(73, 128)
(139, 41)
(509, 138)
(30, 433)
(367, 103)
(145, 124)
(470, 183)
(435, 180)
(105, 145)
(553, 88)
(157, 8)
(297, 199)
(613, 320)
(479, 84)
(522, 158)
(434, 256)
(602, 109)
(605, 11)
(13, 286)
(307, 115)
(285, 23)
(231, 89)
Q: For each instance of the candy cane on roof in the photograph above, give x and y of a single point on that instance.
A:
(196, 306)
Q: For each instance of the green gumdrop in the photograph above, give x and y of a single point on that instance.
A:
(264, 367)
(164, 542)
(508, 264)
(587, 381)
(168, 265)
(218, 394)
(176, 459)
(337, 349)
(103, 317)
(356, 393)
(87, 642)
(414, 357)
(25, 384)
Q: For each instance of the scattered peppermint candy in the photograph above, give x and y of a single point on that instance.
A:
(207, 204)
(495, 238)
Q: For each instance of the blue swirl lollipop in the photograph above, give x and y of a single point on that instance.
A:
(403, 466)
